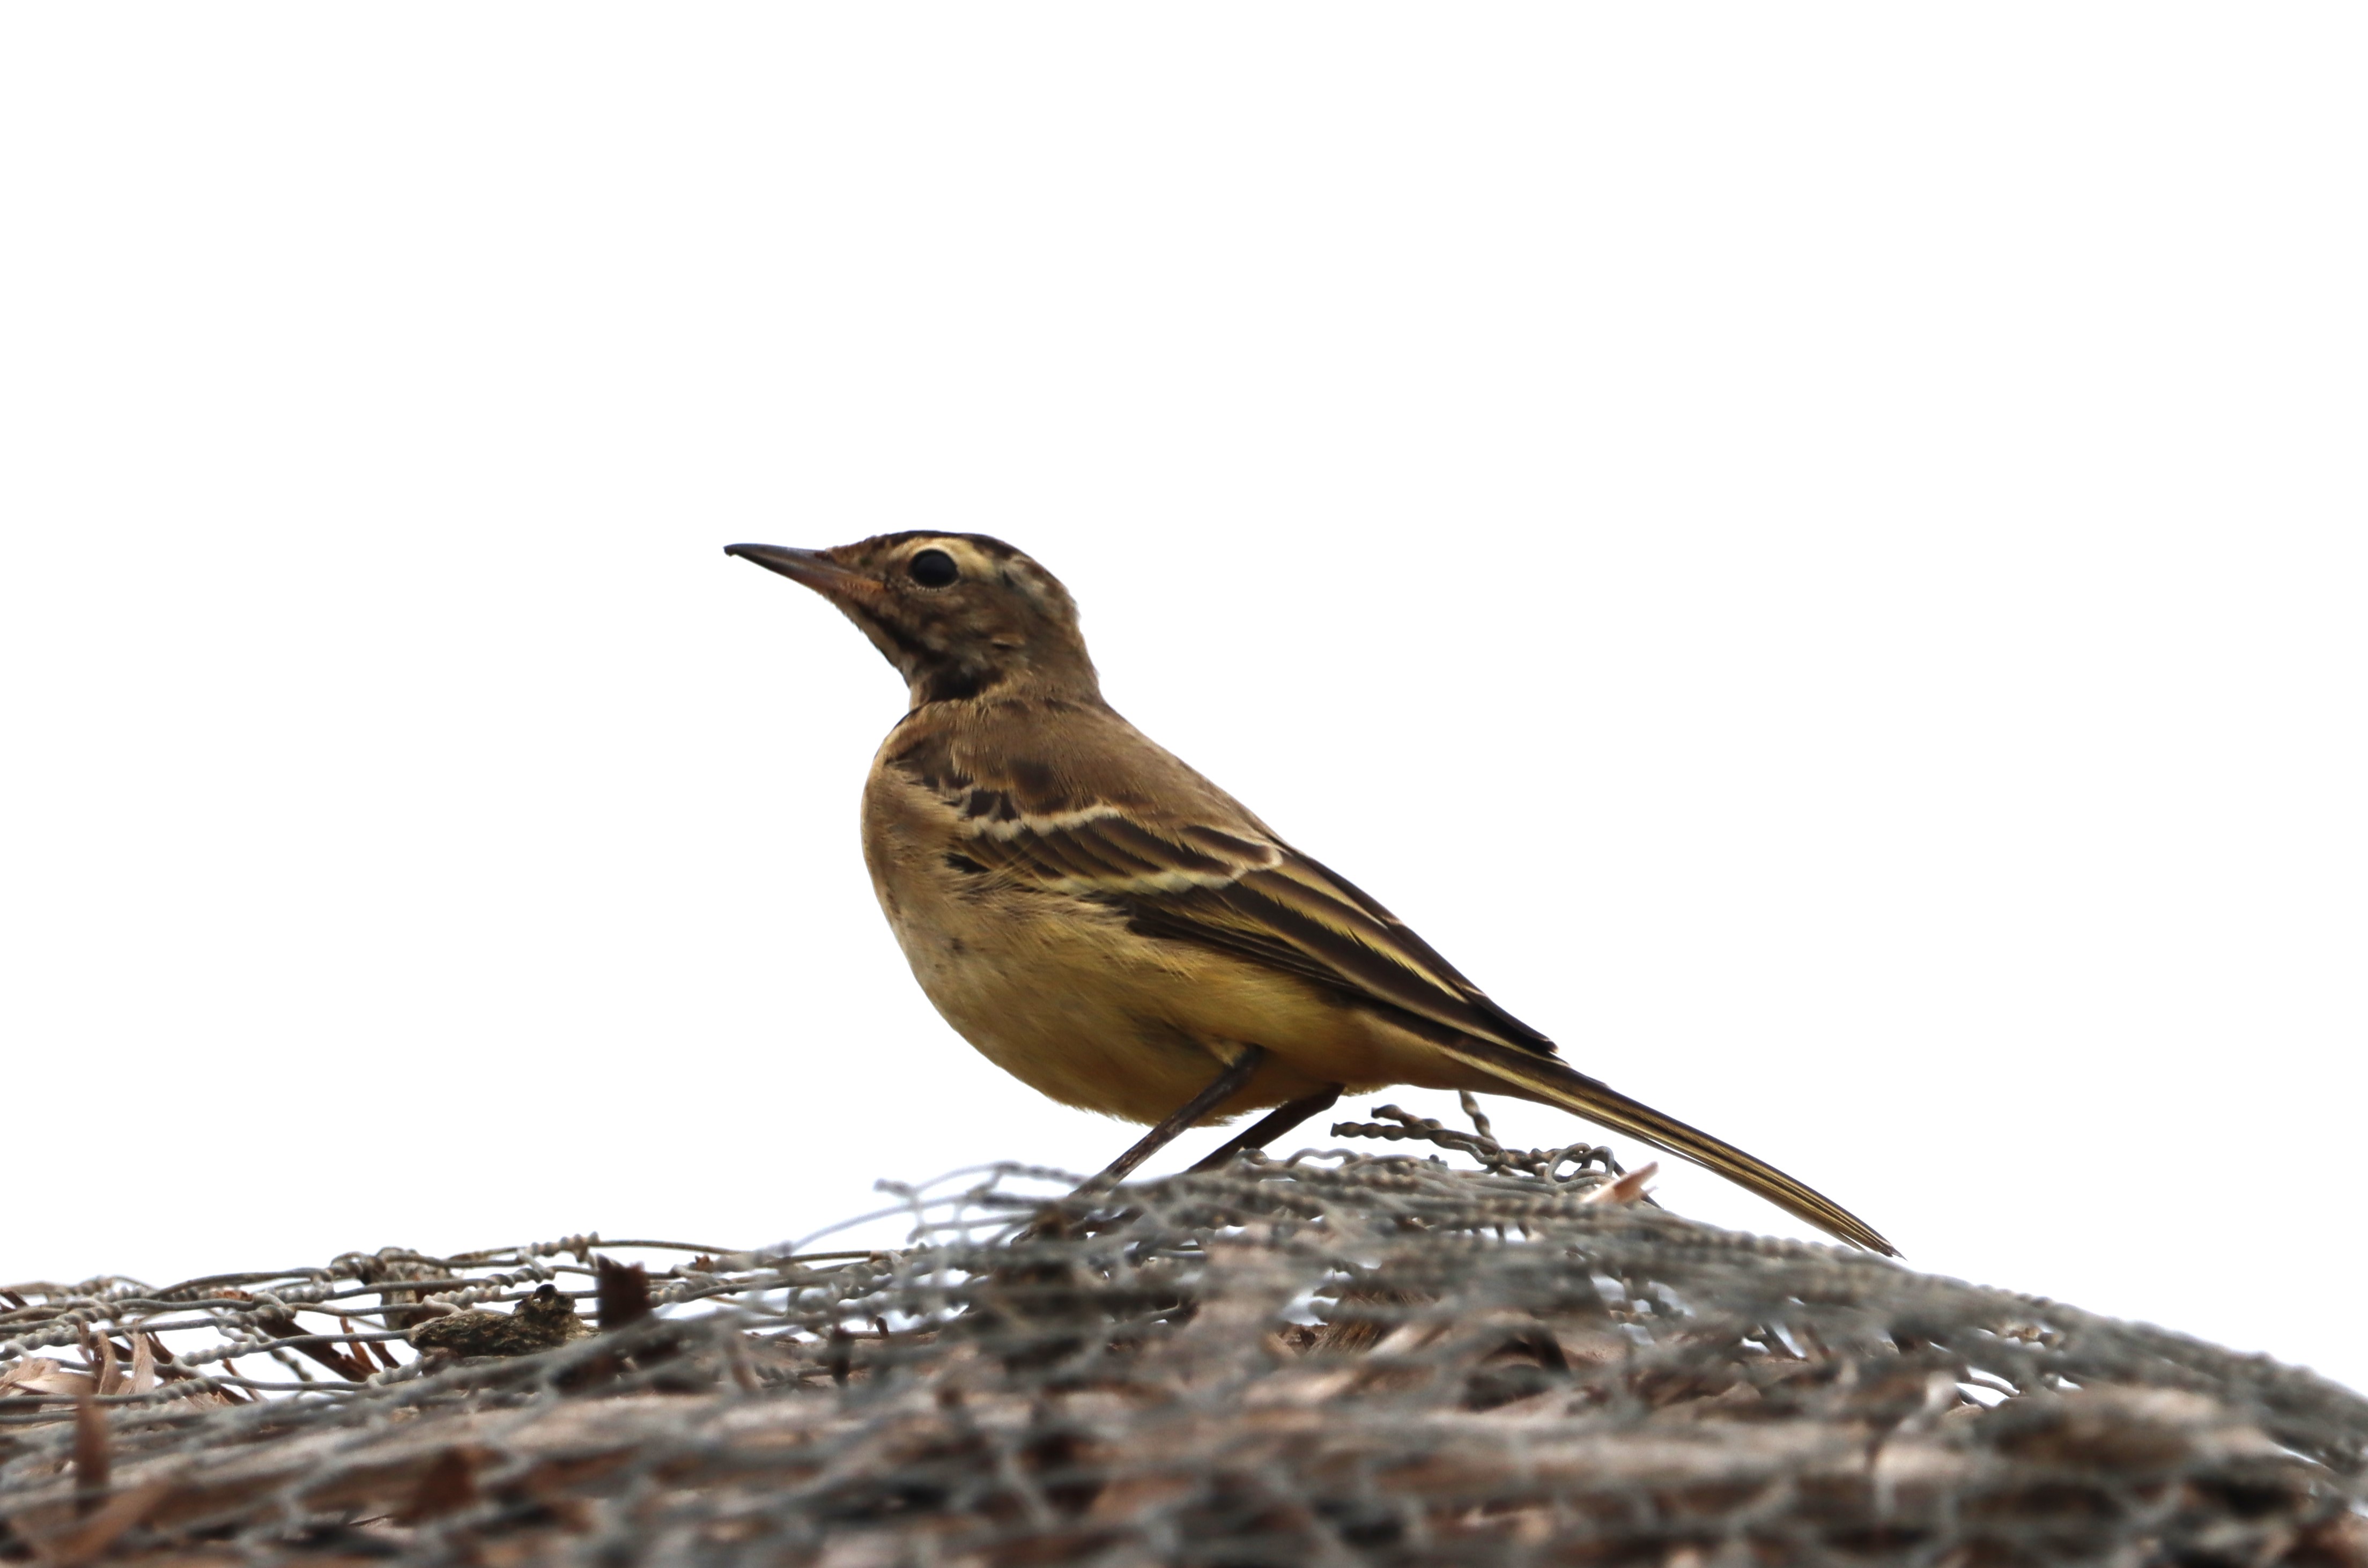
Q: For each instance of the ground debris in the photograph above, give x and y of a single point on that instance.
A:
(544, 1321)
(1335, 1360)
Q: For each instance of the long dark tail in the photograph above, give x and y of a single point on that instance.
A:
(1543, 1078)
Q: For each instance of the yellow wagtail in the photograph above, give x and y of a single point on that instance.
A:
(1117, 932)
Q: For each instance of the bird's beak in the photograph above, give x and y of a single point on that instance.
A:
(813, 568)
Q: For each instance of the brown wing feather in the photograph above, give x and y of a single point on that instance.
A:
(1257, 898)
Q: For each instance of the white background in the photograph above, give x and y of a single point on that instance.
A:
(1817, 551)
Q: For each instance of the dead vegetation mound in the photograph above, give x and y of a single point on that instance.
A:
(1339, 1360)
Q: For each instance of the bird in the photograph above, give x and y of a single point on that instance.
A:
(542, 1322)
(1117, 932)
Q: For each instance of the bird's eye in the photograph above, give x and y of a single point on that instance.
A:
(933, 568)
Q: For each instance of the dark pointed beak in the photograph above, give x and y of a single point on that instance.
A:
(812, 567)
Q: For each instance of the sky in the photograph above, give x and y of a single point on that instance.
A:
(1816, 552)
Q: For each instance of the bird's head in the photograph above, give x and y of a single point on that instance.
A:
(958, 615)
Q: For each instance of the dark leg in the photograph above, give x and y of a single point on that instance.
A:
(1227, 1085)
(1273, 1125)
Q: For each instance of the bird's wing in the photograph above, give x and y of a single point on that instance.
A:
(1236, 888)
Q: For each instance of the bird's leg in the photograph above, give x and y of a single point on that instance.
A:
(1270, 1126)
(1227, 1084)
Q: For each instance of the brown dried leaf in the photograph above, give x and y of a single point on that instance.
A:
(1628, 1188)
(449, 1486)
(624, 1293)
(111, 1377)
(93, 1465)
(41, 1377)
(90, 1540)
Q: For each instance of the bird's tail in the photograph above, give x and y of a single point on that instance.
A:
(1543, 1078)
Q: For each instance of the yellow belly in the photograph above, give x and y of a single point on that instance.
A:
(1056, 992)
